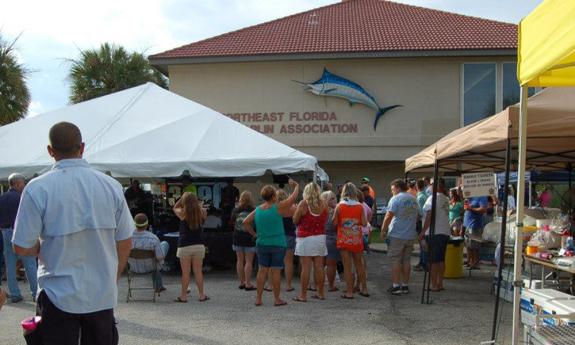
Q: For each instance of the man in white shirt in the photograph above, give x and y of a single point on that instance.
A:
(438, 242)
(76, 220)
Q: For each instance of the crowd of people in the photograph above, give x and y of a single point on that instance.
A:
(74, 214)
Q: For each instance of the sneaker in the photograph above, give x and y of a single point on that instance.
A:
(395, 290)
(405, 290)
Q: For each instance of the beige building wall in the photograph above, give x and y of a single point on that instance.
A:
(429, 90)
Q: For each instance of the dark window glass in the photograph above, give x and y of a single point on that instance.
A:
(479, 91)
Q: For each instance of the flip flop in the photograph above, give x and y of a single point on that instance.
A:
(251, 288)
(346, 297)
(268, 289)
(204, 299)
(364, 294)
(290, 289)
(258, 304)
(280, 304)
(241, 287)
(332, 290)
(179, 300)
(312, 289)
(297, 299)
(317, 297)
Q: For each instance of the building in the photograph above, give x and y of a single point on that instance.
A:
(445, 70)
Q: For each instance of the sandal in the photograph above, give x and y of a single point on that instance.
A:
(346, 296)
(241, 287)
(364, 294)
(279, 304)
(290, 289)
(250, 288)
(317, 297)
(297, 299)
(204, 299)
(259, 304)
(267, 289)
(333, 289)
(312, 289)
(179, 300)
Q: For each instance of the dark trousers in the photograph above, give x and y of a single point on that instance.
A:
(61, 328)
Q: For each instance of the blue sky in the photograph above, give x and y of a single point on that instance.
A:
(53, 31)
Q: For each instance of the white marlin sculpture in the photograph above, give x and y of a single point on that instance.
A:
(335, 86)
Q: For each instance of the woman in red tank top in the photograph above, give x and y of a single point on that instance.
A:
(310, 217)
(349, 217)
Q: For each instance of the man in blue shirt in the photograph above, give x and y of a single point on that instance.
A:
(77, 221)
(400, 219)
(9, 202)
(475, 208)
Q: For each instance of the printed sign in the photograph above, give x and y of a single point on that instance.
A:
(479, 184)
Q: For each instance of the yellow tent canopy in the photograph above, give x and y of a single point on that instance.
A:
(546, 53)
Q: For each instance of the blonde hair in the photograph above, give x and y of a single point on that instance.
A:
(281, 195)
(349, 191)
(311, 194)
(246, 199)
(192, 210)
(327, 195)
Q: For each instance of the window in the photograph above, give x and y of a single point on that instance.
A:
(511, 92)
(488, 88)
(479, 85)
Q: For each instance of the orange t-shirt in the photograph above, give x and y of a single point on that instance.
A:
(349, 234)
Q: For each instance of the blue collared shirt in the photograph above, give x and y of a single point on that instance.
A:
(9, 202)
(78, 214)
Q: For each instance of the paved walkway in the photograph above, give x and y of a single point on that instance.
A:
(460, 315)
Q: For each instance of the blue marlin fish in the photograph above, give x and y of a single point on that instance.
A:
(335, 86)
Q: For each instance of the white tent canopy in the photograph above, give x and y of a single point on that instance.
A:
(147, 131)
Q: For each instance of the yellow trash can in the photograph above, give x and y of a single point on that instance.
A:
(454, 259)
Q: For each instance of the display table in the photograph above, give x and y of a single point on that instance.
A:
(552, 266)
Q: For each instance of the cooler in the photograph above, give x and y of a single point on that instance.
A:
(454, 258)
(539, 301)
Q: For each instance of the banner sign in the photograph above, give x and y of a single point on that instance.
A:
(479, 184)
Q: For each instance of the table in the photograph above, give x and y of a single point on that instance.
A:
(546, 263)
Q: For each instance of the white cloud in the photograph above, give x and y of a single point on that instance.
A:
(35, 108)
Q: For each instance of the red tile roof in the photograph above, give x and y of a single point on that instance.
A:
(356, 26)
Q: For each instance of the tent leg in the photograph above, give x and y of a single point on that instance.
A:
(502, 238)
(518, 260)
(427, 273)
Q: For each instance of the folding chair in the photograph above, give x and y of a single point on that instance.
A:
(141, 254)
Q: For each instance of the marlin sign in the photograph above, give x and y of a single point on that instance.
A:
(335, 86)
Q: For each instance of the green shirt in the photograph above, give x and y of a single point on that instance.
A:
(421, 199)
(270, 227)
(455, 211)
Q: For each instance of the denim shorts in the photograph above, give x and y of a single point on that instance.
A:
(271, 256)
(290, 240)
(241, 249)
(332, 251)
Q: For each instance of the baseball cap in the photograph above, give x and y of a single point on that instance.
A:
(365, 179)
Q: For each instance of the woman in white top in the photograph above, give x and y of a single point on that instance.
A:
(438, 242)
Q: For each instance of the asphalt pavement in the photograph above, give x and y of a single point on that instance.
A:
(462, 314)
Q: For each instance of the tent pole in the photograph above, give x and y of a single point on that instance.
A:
(427, 274)
(570, 170)
(518, 260)
(502, 238)
(432, 225)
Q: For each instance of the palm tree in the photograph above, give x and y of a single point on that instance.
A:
(109, 69)
(14, 94)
